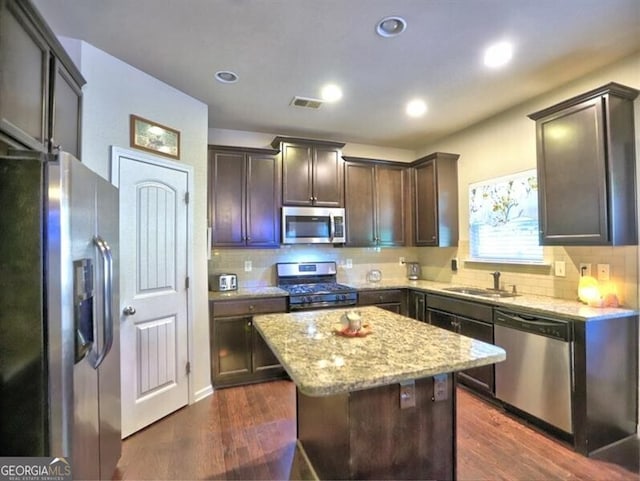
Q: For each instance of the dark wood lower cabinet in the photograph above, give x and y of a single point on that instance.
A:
(239, 355)
(605, 397)
(472, 320)
(416, 306)
(393, 300)
(368, 435)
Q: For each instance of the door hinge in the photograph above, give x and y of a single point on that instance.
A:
(188, 367)
(186, 282)
(187, 198)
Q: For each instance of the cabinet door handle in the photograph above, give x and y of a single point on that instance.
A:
(251, 307)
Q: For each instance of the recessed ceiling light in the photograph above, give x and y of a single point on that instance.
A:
(498, 54)
(416, 108)
(331, 93)
(391, 26)
(226, 76)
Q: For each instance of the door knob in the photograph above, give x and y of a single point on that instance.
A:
(129, 311)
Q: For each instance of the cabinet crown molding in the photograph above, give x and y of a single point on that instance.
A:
(248, 150)
(296, 140)
(435, 155)
(612, 88)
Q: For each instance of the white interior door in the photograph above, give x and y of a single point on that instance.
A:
(153, 289)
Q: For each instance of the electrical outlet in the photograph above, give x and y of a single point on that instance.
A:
(585, 269)
(560, 269)
(454, 264)
(401, 260)
(603, 272)
(248, 266)
(348, 264)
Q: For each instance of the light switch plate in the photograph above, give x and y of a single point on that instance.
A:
(560, 268)
(348, 264)
(248, 266)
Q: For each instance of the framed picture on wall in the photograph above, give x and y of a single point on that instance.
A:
(153, 137)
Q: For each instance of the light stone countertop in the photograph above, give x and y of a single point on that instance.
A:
(323, 363)
(248, 293)
(564, 308)
(551, 306)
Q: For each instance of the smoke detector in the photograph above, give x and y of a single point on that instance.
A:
(306, 102)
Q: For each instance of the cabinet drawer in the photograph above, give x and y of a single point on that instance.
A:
(474, 310)
(249, 307)
(368, 298)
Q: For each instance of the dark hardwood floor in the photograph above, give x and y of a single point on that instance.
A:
(248, 433)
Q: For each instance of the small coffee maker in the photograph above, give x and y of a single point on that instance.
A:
(413, 270)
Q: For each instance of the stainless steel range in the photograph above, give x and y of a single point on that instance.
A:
(312, 285)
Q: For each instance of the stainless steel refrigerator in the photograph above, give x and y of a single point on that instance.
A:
(59, 328)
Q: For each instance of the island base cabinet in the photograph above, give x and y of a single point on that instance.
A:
(367, 435)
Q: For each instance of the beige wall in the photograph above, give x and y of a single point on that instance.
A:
(114, 90)
(501, 145)
(506, 144)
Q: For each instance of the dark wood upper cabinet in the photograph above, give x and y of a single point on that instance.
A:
(435, 200)
(40, 87)
(586, 169)
(311, 172)
(244, 197)
(65, 106)
(375, 203)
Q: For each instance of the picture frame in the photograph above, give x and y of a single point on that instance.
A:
(153, 137)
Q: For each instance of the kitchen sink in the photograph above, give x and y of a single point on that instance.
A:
(476, 291)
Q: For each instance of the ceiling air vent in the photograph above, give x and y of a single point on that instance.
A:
(306, 102)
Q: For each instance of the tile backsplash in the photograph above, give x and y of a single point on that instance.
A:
(436, 265)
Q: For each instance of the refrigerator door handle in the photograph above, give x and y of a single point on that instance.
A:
(107, 300)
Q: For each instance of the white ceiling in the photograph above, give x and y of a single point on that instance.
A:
(282, 48)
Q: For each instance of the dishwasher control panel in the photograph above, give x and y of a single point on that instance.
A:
(554, 328)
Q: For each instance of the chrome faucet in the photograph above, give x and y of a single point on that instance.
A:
(496, 280)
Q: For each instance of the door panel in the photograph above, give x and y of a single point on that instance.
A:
(426, 228)
(327, 177)
(359, 205)
(390, 190)
(296, 174)
(263, 200)
(226, 198)
(156, 346)
(153, 238)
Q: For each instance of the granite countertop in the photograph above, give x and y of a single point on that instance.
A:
(248, 293)
(323, 363)
(525, 302)
(564, 308)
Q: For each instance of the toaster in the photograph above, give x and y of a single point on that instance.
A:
(224, 282)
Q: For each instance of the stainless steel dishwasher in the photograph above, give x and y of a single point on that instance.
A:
(537, 376)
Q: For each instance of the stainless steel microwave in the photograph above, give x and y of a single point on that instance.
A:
(313, 225)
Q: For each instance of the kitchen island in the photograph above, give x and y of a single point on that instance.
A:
(375, 407)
